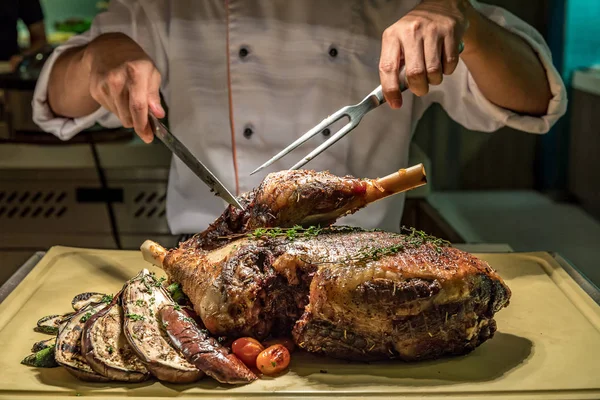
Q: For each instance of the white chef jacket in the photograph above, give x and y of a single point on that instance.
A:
(244, 78)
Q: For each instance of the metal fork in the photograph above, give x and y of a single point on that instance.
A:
(354, 113)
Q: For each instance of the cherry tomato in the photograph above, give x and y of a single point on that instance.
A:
(247, 349)
(287, 342)
(238, 344)
(273, 360)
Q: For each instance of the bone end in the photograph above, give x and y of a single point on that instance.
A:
(400, 181)
(153, 253)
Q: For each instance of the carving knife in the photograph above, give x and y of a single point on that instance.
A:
(205, 175)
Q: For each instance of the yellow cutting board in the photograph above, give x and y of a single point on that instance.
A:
(547, 345)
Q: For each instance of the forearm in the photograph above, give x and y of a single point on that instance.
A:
(506, 69)
(68, 87)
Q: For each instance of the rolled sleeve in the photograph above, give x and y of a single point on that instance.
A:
(62, 127)
(126, 16)
(464, 102)
(558, 103)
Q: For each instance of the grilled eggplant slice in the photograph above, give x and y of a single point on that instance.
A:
(142, 298)
(83, 299)
(206, 353)
(106, 349)
(68, 345)
(43, 344)
(43, 358)
(49, 324)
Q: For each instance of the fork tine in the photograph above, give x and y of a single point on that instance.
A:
(330, 142)
(302, 139)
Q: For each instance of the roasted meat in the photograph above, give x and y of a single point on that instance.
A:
(343, 292)
(305, 198)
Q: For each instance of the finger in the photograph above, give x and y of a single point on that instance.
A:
(389, 65)
(433, 54)
(450, 54)
(154, 95)
(138, 106)
(114, 90)
(121, 101)
(416, 74)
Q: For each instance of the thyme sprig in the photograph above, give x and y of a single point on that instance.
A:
(365, 254)
(411, 238)
(295, 232)
(417, 238)
(289, 233)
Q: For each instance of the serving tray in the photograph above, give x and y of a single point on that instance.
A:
(547, 345)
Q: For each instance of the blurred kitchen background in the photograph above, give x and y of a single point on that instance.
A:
(518, 191)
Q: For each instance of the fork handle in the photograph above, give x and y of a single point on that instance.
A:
(378, 92)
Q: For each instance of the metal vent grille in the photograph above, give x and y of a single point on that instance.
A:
(37, 204)
(143, 209)
(149, 204)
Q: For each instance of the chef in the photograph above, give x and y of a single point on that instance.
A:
(243, 78)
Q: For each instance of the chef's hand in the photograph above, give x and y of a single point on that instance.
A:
(426, 40)
(124, 80)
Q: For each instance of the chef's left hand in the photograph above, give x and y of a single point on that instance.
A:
(426, 40)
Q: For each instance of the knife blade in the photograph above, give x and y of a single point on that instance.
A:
(205, 175)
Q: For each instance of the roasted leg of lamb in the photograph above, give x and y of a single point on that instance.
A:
(343, 292)
(304, 198)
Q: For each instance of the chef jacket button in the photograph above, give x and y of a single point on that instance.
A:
(326, 132)
(333, 52)
(248, 132)
(244, 52)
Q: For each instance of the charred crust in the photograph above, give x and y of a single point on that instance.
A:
(386, 291)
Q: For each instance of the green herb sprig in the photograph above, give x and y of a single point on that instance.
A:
(135, 317)
(85, 317)
(107, 298)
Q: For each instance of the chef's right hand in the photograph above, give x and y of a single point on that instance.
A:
(124, 80)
